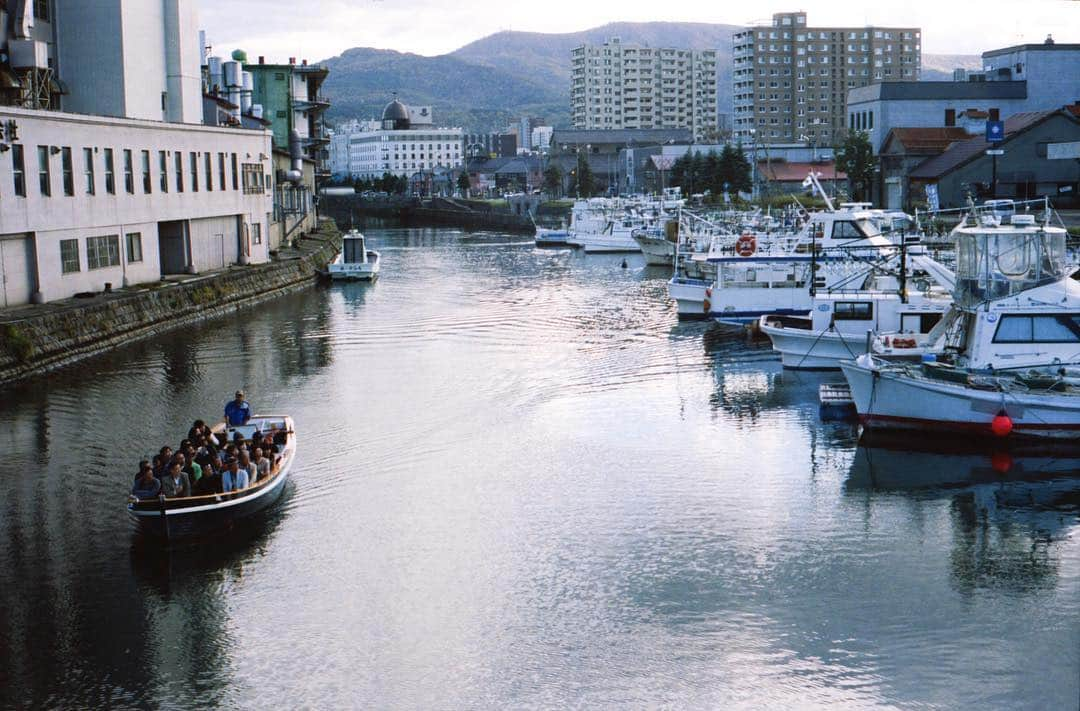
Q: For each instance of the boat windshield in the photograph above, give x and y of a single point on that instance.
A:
(996, 264)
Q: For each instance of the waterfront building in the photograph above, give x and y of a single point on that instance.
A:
(1039, 158)
(1024, 78)
(108, 175)
(791, 81)
(400, 148)
(491, 145)
(615, 86)
(290, 97)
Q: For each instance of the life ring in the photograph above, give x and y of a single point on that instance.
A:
(706, 304)
(746, 245)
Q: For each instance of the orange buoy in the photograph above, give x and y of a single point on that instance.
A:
(1002, 424)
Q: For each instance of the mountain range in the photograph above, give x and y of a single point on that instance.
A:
(487, 83)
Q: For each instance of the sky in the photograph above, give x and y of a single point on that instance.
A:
(318, 29)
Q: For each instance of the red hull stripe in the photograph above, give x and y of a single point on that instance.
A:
(870, 420)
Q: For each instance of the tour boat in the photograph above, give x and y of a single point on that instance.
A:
(1004, 360)
(356, 261)
(192, 516)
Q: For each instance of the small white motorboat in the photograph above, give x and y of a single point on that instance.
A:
(356, 262)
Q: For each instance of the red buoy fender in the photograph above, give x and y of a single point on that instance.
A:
(1002, 424)
(746, 245)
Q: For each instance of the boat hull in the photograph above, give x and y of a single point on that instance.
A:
(552, 238)
(805, 349)
(689, 297)
(894, 400)
(658, 251)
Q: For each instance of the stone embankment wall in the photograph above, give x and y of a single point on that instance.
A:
(35, 339)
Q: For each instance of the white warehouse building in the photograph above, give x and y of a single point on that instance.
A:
(107, 174)
(401, 147)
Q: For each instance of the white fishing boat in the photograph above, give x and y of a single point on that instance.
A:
(356, 261)
(837, 326)
(658, 248)
(1004, 360)
(549, 237)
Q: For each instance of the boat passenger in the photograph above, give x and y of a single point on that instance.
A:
(262, 464)
(234, 478)
(268, 446)
(143, 464)
(209, 483)
(192, 468)
(176, 484)
(158, 465)
(146, 486)
(246, 463)
(238, 412)
(196, 430)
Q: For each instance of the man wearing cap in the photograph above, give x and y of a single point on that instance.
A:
(238, 412)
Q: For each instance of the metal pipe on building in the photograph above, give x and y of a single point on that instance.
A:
(247, 87)
(296, 156)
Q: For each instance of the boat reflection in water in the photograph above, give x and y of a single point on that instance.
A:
(1010, 508)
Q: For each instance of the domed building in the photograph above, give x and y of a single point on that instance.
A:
(395, 117)
(403, 142)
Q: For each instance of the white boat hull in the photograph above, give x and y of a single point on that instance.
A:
(689, 296)
(658, 251)
(894, 400)
(806, 349)
(355, 271)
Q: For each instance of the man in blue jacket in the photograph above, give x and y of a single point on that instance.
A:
(238, 412)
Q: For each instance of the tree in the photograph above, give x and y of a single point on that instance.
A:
(553, 180)
(734, 170)
(856, 158)
(464, 184)
(584, 183)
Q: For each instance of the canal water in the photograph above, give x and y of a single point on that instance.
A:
(522, 483)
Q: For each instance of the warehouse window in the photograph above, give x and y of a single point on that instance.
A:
(146, 185)
(103, 252)
(44, 178)
(18, 169)
(110, 174)
(134, 247)
(163, 169)
(69, 255)
(68, 171)
(129, 172)
(178, 162)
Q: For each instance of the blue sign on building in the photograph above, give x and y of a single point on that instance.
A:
(995, 131)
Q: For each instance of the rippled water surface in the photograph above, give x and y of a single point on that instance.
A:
(522, 483)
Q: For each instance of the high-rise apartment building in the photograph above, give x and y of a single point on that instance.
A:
(615, 86)
(791, 81)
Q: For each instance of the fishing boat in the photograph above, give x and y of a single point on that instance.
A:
(187, 517)
(355, 262)
(837, 326)
(1003, 362)
(549, 237)
(839, 322)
